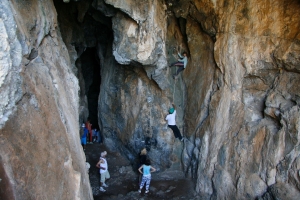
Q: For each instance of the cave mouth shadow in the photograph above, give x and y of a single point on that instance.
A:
(87, 27)
(91, 71)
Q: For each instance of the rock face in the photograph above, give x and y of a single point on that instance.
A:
(244, 137)
(247, 141)
(238, 97)
(237, 101)
(41, 156)
(140, 38)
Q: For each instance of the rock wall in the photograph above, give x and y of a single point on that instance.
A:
(139, 36)
(41, 156)
(136, 89)
(238, 102)
(242, 136)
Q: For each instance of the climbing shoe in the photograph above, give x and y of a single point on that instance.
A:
(104, 185)
(147, 191)
(102, 189)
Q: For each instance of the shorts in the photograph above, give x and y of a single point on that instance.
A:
(103, 176)
(83, 141)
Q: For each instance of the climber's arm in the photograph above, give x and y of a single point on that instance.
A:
(174, 106)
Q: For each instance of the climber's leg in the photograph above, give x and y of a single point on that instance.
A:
(176, 131)
(176, 64)
(181, 68)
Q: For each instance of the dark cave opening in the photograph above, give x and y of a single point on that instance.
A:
(91, 69)
(86, 26)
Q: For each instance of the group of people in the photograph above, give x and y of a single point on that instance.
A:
(89, 135)
(145, 169)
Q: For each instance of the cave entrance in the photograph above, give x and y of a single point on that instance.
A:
(91, 71)
(85, 26)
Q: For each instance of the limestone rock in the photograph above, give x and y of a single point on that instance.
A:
(140, 38)
(238, 93)
(104, 8)
(250, 106)
(132, 111)
(41, 156)
(11, 57)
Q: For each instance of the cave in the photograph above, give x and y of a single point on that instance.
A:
(90, 66)
(237, 100)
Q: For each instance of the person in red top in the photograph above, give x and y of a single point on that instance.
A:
(88, 125)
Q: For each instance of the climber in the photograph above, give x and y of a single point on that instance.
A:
(172, 123)
(181, 63)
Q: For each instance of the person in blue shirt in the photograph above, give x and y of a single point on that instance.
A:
(84, 135)
(94, 131)
(181, 63)
(98, 136)
(147, 169)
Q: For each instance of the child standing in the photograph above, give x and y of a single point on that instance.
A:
(147, 169)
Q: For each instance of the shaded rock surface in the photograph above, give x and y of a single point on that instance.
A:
(41, 155)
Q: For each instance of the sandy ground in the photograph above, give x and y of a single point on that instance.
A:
(123, 183)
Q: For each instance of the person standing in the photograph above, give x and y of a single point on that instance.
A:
(83, 136)
(142, 158)
(88, 125)
(147, 170)
(98, 136)
(104, 174)
(95, 135)
(172, 122)
(181, 63)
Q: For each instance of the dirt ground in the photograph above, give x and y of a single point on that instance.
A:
(123, 183)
